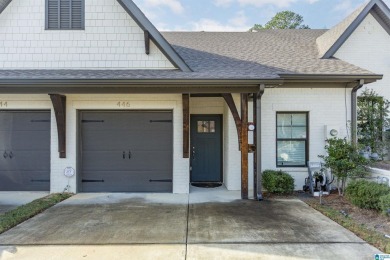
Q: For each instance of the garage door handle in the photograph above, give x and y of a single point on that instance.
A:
(5, 155)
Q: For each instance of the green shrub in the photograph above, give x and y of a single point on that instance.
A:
(278, 182)
(366, 194)
(384, 203)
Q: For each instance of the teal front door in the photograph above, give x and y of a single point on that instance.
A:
(206, 148)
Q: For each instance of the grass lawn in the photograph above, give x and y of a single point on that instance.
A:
(16, 216)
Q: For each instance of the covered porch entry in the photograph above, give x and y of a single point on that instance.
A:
(220, 139)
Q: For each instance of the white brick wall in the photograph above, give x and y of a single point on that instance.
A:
(232, 156)
(111, 40)
(369, 48)
(325, 107)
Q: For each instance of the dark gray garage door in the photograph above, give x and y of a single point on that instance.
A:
(24, 151)
(126, 151)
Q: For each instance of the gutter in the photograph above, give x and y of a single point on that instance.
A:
(258, 143)
(359, 85)
(368, 78)
(137, 82)
(134, 86)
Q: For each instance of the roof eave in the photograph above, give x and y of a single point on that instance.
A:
(330, 78)
(84, 86)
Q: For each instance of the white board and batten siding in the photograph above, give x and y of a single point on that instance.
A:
(111, 40)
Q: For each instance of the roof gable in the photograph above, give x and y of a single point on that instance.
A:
(4, 4)
(332, 40)
(143, 22)
(151, 33)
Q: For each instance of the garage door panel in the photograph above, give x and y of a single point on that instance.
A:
(140, 160)
(28, 160)
(148, 136)
(5, 121)
(21, 121)
(30, 140)
(133, 121)
(97, 140)
(24, 181)
(121, 181)
(25, 150)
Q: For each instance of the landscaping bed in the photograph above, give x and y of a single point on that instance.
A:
(370, 225)
(16, 216)
(384, 165)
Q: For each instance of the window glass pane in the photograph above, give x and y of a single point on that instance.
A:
(284, 132)
(291, 153)
(298, 132)
(206, 126)
(298, 119)
(284, 119)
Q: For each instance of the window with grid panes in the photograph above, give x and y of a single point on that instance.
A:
(291, 139)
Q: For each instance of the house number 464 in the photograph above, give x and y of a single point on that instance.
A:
(3, 104)
(123, 104)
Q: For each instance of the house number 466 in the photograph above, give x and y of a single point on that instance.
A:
(123, 104)
(3, 104)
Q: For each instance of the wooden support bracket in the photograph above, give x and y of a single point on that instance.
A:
(233, 109)
(59, 105)
(147, 42)
(186, 125)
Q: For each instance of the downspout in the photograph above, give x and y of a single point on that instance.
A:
(354, 138)
(258, 143)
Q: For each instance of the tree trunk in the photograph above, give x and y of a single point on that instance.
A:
(338, 186)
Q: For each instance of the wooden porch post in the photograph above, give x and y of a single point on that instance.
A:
(244, 146)
(186, 126)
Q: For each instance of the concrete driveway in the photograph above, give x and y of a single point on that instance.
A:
(205, 225)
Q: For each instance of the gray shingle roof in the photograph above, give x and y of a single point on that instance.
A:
(3, 4)
(266, 53)
(261, 55)
(223, 55)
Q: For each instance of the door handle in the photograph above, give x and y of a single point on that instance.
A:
(130, 155)
(193, 153)
(5, 154)
(124, 155)
(11, 155)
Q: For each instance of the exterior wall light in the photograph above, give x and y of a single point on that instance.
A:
(334, 132)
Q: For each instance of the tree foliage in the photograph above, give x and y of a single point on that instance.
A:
(373, 120)
(282, 20)
(344, 160)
